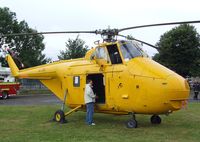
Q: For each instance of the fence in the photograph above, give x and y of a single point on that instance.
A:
(29, 84)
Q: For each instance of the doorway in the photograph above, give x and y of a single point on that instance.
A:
(98, 87)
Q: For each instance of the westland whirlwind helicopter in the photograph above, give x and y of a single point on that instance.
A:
(125, 80)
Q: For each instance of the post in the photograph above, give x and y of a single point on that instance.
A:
(65, 97)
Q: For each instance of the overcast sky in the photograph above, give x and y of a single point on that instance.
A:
(63, 15)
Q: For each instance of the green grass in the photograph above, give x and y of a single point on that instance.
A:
(31, 124)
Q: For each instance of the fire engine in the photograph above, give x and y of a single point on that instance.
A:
(8, 85)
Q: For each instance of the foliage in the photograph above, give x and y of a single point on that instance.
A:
(32, 124)
(179, 50)
(27, 48)
(74, 49)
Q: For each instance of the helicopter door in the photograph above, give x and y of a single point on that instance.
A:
(114, 54)
(98, 87)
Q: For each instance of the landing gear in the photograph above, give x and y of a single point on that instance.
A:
(155, 119)
(132, 123)
(59, 116)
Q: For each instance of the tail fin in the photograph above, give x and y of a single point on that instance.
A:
(12, 65)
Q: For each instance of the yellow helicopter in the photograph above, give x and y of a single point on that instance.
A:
(126, 81)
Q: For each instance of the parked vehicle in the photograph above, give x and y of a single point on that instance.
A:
(8, 85)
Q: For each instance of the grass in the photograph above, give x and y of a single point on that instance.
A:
(31, 124)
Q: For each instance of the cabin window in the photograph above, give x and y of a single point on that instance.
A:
(114, 54)
(76, 81)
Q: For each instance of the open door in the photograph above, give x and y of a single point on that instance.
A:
(98, 87)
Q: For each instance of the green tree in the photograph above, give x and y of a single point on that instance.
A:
(74, 49)
(27, 48)
(179, 50)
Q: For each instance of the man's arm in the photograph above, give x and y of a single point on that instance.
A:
(91, 93)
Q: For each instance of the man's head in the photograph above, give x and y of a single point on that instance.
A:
(89, 81)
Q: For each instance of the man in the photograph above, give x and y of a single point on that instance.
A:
(196, 87)
(89, 101)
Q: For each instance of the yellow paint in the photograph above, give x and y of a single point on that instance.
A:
(75, 109)
(58, 117)
(139, 85)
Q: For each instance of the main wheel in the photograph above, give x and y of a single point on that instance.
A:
(5, 95)
(155, 119)
(59, 116)
(131, 123)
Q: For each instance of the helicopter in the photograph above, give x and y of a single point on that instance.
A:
(125, 79)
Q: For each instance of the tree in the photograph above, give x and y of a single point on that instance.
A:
(179, 50)
(74, 49)
(27, 48)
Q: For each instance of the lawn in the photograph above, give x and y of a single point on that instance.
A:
(32, 124)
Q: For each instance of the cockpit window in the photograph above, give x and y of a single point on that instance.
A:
(101, 53)
(130, 50)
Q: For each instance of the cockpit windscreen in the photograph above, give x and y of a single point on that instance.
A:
(130, 50)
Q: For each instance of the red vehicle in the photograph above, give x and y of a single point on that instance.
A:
(8, 85)
(8, 89)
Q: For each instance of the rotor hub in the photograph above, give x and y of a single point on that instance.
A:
(108, 35)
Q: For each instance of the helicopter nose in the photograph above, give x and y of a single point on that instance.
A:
(178, 92)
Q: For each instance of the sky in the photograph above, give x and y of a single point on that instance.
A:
(69, 15)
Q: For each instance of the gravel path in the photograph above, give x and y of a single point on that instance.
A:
(32, 99)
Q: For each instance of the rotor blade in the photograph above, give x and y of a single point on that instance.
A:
(161, 24)
(139, 41)
(59, 32)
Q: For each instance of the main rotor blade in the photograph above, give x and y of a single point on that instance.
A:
(37, 33)
(139, 41)
(161, 24)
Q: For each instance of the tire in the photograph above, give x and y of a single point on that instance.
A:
(59, 116)
(131, 123)
(5, 95)
(155, 119)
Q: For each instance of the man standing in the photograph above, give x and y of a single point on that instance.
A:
(196, 87)
(89, 101)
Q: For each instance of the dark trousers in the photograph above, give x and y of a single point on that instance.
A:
(90, 112)
(196, 95)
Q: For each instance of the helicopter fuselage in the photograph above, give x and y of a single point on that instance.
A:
(125, 80)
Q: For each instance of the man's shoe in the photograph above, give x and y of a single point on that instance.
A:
(92, 124)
